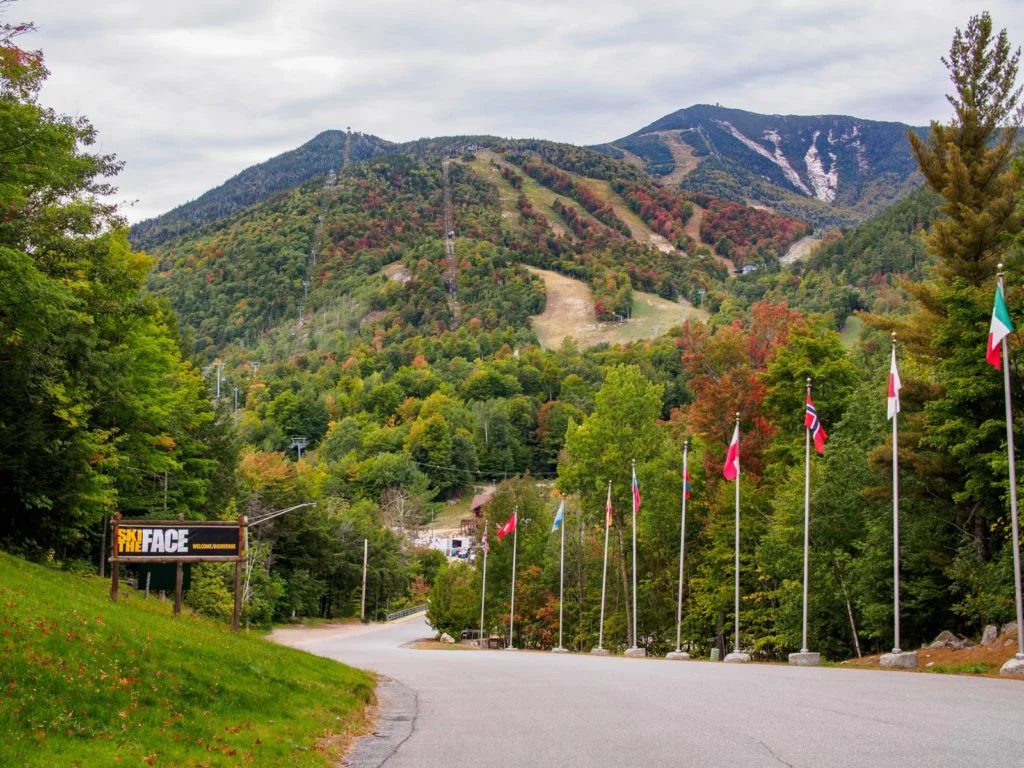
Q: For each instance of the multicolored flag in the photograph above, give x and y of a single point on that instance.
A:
(686, 484)
(508, 527)
(608, 508)
(559, 517)
(998, 330)
(894, 387)
(483, 542)
(731, 470)
(812, 423)
(636, 492)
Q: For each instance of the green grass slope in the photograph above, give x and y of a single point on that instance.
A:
(85, 682)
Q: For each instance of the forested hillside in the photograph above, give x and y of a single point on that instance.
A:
(832, 170)
(327, 152)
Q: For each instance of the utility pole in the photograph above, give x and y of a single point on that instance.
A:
(220, 367)
(236, 400)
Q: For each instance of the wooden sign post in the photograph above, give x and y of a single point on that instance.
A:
(179, 542)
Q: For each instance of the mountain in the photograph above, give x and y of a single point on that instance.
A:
(828, 169)
(326, 152)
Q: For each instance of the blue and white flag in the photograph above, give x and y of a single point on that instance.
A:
(559, 517)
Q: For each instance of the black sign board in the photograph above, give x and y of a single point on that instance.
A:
(161, 576)
(147, 540)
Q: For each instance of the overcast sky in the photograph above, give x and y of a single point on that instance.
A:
(189, 92)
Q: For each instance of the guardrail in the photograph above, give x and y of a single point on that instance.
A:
(406, 612)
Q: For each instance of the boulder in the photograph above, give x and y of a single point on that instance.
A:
(944, 639)
(446, 638)
(1010, 626)
(990, 635)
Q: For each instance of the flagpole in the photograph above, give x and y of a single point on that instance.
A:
(736, 597)
(600, 651)
(561, 585)
(805, 657)
(737, 655)
(807, 517)
(679, 653)
(896, 521)
(897, 658)
(483, 587)
(515, 545)
(633, 495)
(1009, 667)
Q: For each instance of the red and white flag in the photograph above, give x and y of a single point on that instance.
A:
(894, 387)
(731, 470)
(812, 423)
(508, 527)
(608, 509)
(636, 493)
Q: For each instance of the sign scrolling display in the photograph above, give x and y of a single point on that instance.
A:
(146, 540)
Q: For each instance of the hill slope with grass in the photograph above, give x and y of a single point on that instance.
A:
(86, 682)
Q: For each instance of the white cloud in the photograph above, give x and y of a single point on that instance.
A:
(190, 93)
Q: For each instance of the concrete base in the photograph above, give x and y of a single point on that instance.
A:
(900, 660)
(805, 659)
(599, 652)
(737, 657)
(1013, 668)
(635, 653)
(511, 648)
(559, 650)
(678, 656)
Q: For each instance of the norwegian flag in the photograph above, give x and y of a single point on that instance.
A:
(636, 493)
(508, 527)
(812, 423)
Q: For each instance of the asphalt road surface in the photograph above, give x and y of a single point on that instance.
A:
(522, 709)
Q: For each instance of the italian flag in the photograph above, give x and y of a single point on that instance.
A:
(998, 330)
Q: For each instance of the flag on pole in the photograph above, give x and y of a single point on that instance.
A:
(608, 508)
(636, 492)
(894, 387)
(812, 423)
(559, 517)
(732, 459)
(483, 542)
(508, 527)
(998, 330)
(686, 484)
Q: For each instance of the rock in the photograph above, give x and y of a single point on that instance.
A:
(1013, 668)
(930, 664)
(990, 635)
(446, 638)
(809, 659)
(944, 638)
(1008, 642)
(1010, 626)
(902, 660)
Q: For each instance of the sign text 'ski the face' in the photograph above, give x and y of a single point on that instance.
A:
(161, 541)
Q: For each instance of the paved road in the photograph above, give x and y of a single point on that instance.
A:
(490, 709)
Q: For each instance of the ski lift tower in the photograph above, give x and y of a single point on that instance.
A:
(298, 443)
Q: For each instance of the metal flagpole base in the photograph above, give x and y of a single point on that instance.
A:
(805, 659)
(678, 656)
(559, 649)
(599, 652)
(899, 659)
(635, 653)
(1014, 667)
(737, 657)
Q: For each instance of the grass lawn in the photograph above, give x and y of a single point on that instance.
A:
(85, 682)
